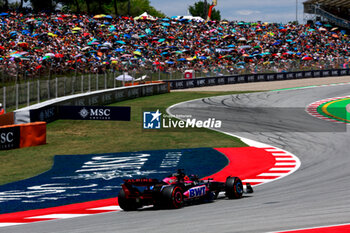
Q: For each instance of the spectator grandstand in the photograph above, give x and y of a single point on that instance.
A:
(35, 44)
(334, 11)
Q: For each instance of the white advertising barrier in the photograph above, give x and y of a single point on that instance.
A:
(47, 110)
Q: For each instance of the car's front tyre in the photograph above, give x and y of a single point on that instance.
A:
(233, 188)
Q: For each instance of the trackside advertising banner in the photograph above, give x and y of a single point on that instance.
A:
(52, 113)
(94, 113)
(47, 114)
(9, 138)
(245, 78)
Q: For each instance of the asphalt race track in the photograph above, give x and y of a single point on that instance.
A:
(315, 195)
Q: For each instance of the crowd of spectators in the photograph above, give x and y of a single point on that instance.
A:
(34, 44)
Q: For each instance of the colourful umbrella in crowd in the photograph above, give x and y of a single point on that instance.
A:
(16, 55)
(23, 44)
(49, 55)
(307, 58)
(99, 16)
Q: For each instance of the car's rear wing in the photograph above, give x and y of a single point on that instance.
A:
(141, 182)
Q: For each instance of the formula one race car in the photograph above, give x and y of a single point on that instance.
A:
(175, 190)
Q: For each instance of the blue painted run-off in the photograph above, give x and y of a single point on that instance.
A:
(81, 178)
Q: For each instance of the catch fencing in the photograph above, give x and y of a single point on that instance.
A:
(36, 91)
(31, 92)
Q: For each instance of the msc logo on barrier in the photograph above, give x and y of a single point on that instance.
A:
(112, 113)
(48, 113)
(6, 137)
(96, 114)
(151, 120)
(9, 138)
(84, 113)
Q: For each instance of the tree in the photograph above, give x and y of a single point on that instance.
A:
(39, 5)
(199, 9)
(134, 8)
(115, 5)
(119, 7)
(4, 5)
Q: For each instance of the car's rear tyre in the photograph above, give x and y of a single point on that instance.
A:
(125, 203)
(233, 188)
(172, 197)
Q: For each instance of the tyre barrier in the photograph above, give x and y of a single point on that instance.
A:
(245, 78)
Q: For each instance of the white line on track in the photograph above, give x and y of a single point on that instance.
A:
(273, 174)
(284, 164)
(112, 207)
(256, 180)
(273, 150)
(311, 228)
(281, 154)
(58, 216)
(8, 224)
(284, 159)
(281, 169)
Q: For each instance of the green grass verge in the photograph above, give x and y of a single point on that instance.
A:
(336, 110)
(88, 137)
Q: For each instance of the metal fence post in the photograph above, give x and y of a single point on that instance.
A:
(28, 93)
(82, 83)
(64, 86)
(56, 87)
(38, 90)
(105, 80)
(4, 98)
(16, 95)
(48, 89)
(114, 82)
(73, 83)
(96, 81)
(89, 88)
